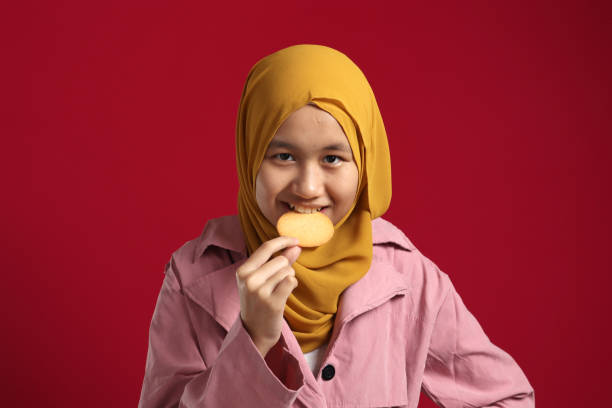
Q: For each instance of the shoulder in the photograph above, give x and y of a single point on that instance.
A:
(384, 232)
(220, 244)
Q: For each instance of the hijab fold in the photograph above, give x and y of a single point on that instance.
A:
(276, 86)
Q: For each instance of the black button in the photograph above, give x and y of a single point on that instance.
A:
(328, 372)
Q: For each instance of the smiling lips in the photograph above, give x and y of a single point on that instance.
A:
(304, 210)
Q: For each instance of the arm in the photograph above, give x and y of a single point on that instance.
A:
(176, 374)
(464, 368)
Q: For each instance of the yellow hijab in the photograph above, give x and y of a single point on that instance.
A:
(276, 86)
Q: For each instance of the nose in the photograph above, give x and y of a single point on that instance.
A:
(309, 181)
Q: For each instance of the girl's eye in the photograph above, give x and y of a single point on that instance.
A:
(283, 156)
(331, 159)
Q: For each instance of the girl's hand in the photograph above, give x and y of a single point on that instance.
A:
(264, 285)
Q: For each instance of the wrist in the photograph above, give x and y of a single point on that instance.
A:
(264, 346)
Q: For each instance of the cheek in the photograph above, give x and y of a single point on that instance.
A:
(265, 187)
(347, 186)
(260, 189)
(353, 182)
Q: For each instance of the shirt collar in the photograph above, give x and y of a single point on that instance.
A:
(224, 232)
(383, 232)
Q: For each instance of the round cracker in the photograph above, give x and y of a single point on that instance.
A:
(311, 230)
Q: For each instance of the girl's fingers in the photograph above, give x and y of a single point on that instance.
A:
(292, 254)
(268, 288)
(255, 279)
(284, 288)
(260, 276)
(263, 253)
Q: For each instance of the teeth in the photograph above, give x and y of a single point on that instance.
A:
(304, 210)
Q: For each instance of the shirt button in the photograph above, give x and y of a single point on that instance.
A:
(328, 372)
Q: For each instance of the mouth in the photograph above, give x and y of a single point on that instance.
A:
(305, 210)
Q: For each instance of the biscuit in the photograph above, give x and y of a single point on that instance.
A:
(311, 230)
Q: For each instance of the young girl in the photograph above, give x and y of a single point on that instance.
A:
(246, 318)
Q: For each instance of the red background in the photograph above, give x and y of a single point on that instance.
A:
(118, 135)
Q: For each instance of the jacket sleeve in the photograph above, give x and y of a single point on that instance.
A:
(464, 369)
(177, 376)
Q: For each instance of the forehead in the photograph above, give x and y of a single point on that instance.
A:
(312, 127)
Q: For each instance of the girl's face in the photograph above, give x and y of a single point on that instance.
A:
(308, 166)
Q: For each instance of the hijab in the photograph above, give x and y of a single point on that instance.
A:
(276, 86)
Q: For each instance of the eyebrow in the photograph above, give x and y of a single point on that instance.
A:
(286, 145)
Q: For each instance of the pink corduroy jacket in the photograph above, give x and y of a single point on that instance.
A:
(399, 329)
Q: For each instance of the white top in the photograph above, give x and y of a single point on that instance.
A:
(314, 357)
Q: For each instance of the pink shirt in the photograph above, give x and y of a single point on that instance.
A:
(402, 327)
